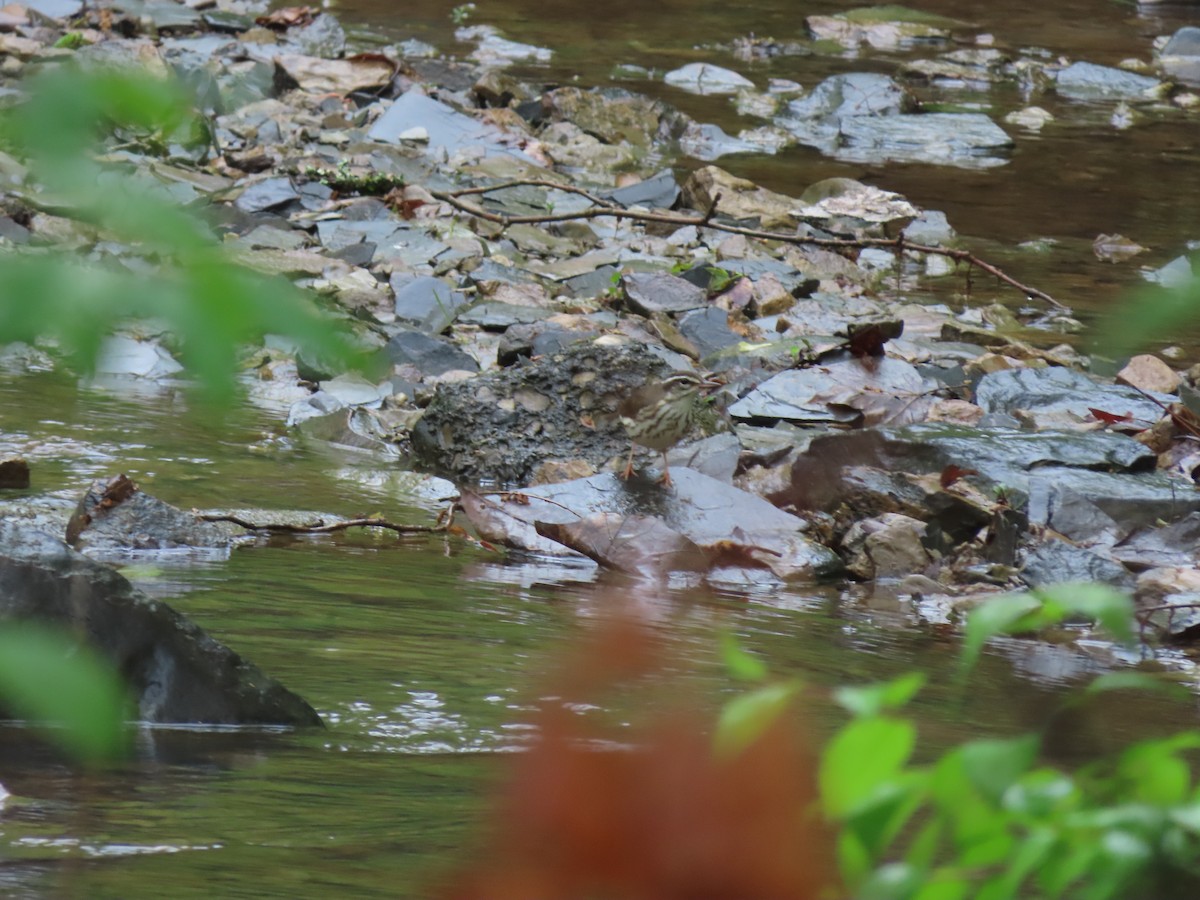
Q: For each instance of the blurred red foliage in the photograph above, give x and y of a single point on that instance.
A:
(650, 813)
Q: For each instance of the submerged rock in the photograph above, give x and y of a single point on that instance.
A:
(115, 517)
(705, 78)
(176, 672)
(882, 27)
(1088, 81)
(947, 138)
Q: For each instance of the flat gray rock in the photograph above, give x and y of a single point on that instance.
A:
(946, 138)
(426, 302)
(448, 131)
(707, 513)
(1088, 81)
(1056, 391)
(648, 293)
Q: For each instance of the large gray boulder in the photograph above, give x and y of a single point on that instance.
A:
(175, 671)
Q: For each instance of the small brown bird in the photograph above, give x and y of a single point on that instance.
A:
(658, 415)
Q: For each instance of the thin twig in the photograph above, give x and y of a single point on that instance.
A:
(322, 528)
(602, 208)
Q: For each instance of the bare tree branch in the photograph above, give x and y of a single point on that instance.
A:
(601, 208)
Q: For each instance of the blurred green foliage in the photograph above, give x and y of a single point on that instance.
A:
(75, 134)
(85, 138)
(986, 820)
(63, 686)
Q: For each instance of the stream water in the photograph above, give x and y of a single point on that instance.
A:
(423, 655)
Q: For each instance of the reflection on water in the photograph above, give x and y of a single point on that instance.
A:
(422, 654)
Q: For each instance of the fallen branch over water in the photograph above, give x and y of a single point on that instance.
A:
(320, 527)
(601, 208)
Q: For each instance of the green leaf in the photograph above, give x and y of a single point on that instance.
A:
(1028, 857)
(195, 287)
(878, 821)
(994, 765)
(944, 886)
(1155, 772)
(1110, 608)
(1148, 315)
(745, 718)
(1041, 794)
(53, 681)
(863, 759)
(740, 664)
(1005, 614)
(873, 699)
(895, 881)
(1135, 681)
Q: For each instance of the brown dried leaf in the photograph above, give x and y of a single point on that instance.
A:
(649, 811)
(287, 17)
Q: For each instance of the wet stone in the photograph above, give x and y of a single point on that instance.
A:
(1167, 545)
(274, 238)
(450, 132)
(888, 547)
(851, 95)
(708, 330)
(337, 234)
(54, 9)
(1010, 457)
(707, 512)
(267, 194)
(926, 137)
(1184, 42)
(707, 79)
(360, 254)
(1132, 500)
(1062, 395)
(14, 474)
(352, 427)
(705, 141)
(493, 316)
(930, 227)
(1056, 562)
(127, 356)
(163, 13)
(591, 284)
(411, 248)
(175, 672)
(323, 37)
(835, 393)
(1087, 81)
(13, 231)
(427, 302)
(537, 339)
(227, 21)
(116, 517)
(659, 191)
(429, 355)
(478, 429)
(647, 293)
(323, 76)
(1150, 374)
(716, 456)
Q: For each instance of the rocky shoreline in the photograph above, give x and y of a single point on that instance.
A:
(517, 260)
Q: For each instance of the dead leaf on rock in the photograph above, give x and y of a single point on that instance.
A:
(640, 545)
(287, 17)
(337, 76)
(496, 523)
(1116, 248)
